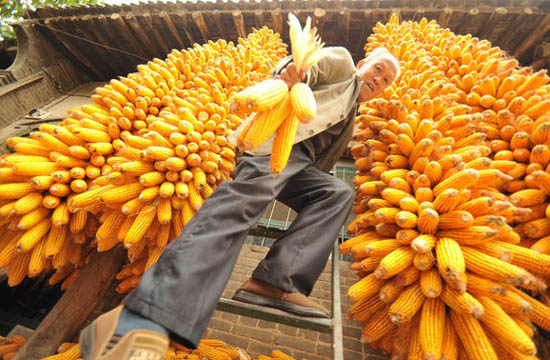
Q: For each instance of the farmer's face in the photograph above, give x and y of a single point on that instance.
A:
(375, 76)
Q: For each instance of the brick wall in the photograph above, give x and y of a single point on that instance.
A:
(260, 337)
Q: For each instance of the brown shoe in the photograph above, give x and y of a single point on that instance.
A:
(260, 293)
(99, 342)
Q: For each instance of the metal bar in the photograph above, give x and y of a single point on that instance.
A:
(337, 332)
(274, 315)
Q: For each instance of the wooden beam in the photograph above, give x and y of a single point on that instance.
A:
(277, 19)
(239, 23)
(444, 17)
(468, 21)
(343, 26)
(187, 28)
(70, 313)
(319, 20)
(122, 29)
(172, 28)
(492, 25)
(152, 29)
(67, 41)
(219, 23)
(365, 30)
(135, 25)
(201, 24)
(509, 36)
(418, 14)
(259, 15)
(542, 28)
(88, 26)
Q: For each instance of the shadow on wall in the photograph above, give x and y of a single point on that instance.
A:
(8, 50)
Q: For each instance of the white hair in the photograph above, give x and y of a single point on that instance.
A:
(380, 53)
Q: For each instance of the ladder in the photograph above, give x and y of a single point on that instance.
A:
(332, 325)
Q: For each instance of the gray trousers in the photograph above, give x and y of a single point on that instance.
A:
(182, 289)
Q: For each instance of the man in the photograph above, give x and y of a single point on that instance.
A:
(178, 295)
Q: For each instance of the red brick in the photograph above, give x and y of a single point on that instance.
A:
(352, 344)
(299, 355)
(230, 317)
(256, 348)
(309, 334)
(253, 333)
(353, 355)
(263, 324)
(323, 349)
(248, 321)
(220, 325)
(294, 342)
(230, 339)
(288, 330)
(353, 332)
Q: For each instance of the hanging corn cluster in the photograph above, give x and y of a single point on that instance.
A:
(10, 346)
(275, 110)
(132, 167)
(207, 349)
(438, 198)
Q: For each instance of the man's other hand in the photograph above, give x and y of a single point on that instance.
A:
(290, 76)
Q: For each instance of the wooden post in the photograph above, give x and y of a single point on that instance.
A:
(259, 14)
(201, 24)
(277, 19)
(527, 43)
(221, 27)
(239, 23)
(66, 319)
(134, 24)
(343, 26)
(319, 20)
(152, 29)
(367, 17)
(493, 24)
(187, 29)
(444, 17)
(170, 24)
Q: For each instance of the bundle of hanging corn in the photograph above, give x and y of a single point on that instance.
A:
(275, 109)
(207, 349)
(132, 167)
(443, 271)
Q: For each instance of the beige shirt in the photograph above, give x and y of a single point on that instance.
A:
(335, 86)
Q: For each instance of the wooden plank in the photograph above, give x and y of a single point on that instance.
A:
(319, 20)
(536, 35)
(201, 24)
(172, 28)
(239, 23)
(259, 17)
(365, 31)
(508, 36)
(20, 83)
(187, 28)
(74, 50)
(70, 313)
(491, 26)
(343, 27)
(469, 22)
(132, 45)
(221, 28)
(143, 37)
(445, 16)
(277, 19)
(93, 33)
(148, 21)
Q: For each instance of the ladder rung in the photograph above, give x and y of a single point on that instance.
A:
(274, 315)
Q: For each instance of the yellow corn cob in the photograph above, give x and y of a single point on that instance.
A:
(451, 264)
(87, 198)
(166, 189)
(120, 193)
(164, 211)
(430, 283)
(266, 123)
(264, 95)
(406, 305)
(135, 168)
(37, 262)
(449, 348)
(377, 326)
(55, 240)
(32, 236)
(303, 102)
(282, 144)
(424, 261)
(472, 337)
(27, 203)
(140, 225)
(395, 262)
(78, 221)
(17, 270)
(61, 215)
(432, 325)
(463, 303)
(91, 135)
